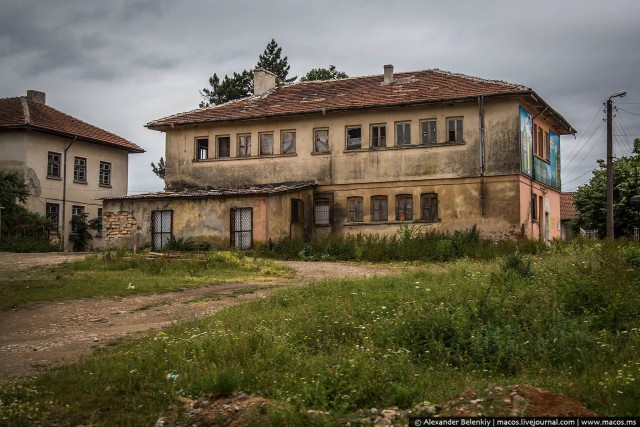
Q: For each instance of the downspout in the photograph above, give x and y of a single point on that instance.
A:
(64, 193)
(531, 180)
(482, 161)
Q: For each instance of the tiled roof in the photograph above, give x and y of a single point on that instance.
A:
(321, 97)
(254, 190)
(567, 207)
(21, 112)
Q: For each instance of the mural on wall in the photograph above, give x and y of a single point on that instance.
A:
(555, 156)
(526, 140)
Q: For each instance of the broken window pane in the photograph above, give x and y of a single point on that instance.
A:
(403, 133)
(429, 135)
(266, 144)
(454, 130)
(224, 146)
(321, 141)
(404, 208)
(354, 138)
(378, 136)
(288, 142)
(244, 145)
(202, 149)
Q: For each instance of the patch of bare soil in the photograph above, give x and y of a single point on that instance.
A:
(55, 333)
(509, 401)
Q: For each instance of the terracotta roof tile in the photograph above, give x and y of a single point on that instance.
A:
(567, 207)
(24, 113)
(353, 93)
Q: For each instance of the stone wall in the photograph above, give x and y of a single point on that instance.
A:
(120, 229)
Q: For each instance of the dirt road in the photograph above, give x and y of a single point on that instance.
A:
(51, 334)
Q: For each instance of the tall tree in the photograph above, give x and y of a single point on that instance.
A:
(160, 169)
(324, 74)
(591, 199)
(271, 59)
(240, 85)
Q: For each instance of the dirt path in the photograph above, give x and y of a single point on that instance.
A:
(51, 334)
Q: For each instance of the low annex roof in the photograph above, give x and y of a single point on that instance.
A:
(25, 113)
(568, 209)
(253, 190)
(321, 97)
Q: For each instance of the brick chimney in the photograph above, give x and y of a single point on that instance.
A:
(263, 81)
(36, 96)
(388, 74)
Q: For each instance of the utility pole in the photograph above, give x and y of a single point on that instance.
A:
(610, 162)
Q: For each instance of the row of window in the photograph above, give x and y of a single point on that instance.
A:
(379, 209)
(79, 169)
(353, 139)
(52, 212)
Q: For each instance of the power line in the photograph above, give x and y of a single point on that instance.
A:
(571, 169)
(574, 146)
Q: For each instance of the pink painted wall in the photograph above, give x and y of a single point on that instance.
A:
(550, 205)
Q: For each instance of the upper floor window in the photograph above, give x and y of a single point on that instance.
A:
(404, 207)
(354, 138)
(429, 132)
(244, 145)
(53, 165)
(53, 214)
(429, 207)
(379, 208)
(356, 211)
(224, 147)
(105, 174)
(378, 136)
(547, 147)
(202, 148)
(454, 130)
(403, 133)
(266, 144)
(288, 142)
(80, 169)
(321, 141)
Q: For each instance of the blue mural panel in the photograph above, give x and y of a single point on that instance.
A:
(526, 141)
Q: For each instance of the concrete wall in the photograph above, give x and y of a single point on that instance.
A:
(28, 151)
(128, 222)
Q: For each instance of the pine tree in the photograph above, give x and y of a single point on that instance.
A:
(272, 60)
(324, 74)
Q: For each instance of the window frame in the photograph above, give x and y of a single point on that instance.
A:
(260, 136)
(51, 163)
(297, 211)
(355, 209)
(53, 215)
(379, 217)
(219, 139)
(74, 209)
(429, 138)
(458, 131)
(80, 169)
(424, 197)
(282, 141)
(315, 141)
(202, 148)
(246, 151)
(406, 140)
(104, 177)
(374, 132)
(346, 137)
(401, 215)
(99, 217)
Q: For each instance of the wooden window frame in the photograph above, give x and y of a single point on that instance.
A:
(53, 215)
(53, 164)
(218, 146)
(346, 137)
(321, 199)
(260, 136)
(378, 140)
(355, 209)
(406, 136)
(282, 137)
(432, 198)
(74, 210)
(401, 215)
(315, 141)
(428, 137)
(104, 179)
(80, 169)
(458, 130)
(202, 148)
(246, 150)
(379, 214)
(297, 211)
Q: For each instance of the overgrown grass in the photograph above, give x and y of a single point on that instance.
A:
(567, 320)
(123, 274)
(408, 244)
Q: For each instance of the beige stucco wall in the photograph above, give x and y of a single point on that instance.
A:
(341, 166)
(28, 151)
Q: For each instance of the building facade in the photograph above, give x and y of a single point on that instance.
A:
(70, 165)
(432, 149)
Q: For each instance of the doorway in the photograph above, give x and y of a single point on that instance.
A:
(241, 228)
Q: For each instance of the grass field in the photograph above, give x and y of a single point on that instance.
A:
(121, 274)
(567, 320)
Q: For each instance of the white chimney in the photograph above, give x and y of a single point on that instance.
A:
(388, 74)
(36, 96)
(263, 81)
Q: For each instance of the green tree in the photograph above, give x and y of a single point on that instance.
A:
(240, 85)
(13, 189)
(160, 169)
(272, 60)
(591, 198)
(324, 74)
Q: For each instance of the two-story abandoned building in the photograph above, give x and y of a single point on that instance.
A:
(432, 149)
(70, 165)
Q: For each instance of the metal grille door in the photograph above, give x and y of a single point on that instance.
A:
(241, 228)
(162, 228)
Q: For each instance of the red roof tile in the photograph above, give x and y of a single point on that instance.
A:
(20, 112)
(567, 207)
(419, 87)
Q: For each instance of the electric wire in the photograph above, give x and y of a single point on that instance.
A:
(586, 132)
(571, 169)
(586, 142)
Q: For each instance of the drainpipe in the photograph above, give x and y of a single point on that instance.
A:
(482, 164)
(64, 193)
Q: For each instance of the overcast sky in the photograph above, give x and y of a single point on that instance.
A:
(119, 64)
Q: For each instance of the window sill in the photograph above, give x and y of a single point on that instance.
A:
(57, 178)
(542, 159)
(228, 159)
(75, 181)
(392, 222)
(407, 147)
(322, 225)
(105, 185)
(321, 153)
